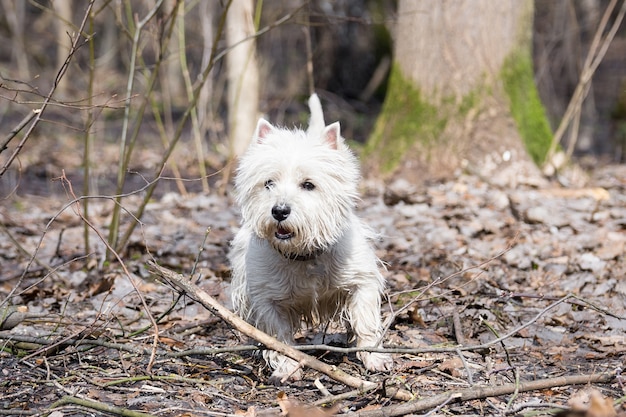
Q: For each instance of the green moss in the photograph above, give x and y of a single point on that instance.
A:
(526, 107)
(468, 102)
(410, 125)
(406, 118)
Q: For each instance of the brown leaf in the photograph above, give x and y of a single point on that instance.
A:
(419, 364)
(250, 412)
(600, 406)
(589, 404)
(452, 366)
(103, 284)
(171, 342)
(292, 408)
(416, 317)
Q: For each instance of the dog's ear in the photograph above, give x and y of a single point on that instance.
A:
(263, 128)
(332, 135)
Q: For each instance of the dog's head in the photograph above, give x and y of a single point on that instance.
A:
(297, 189)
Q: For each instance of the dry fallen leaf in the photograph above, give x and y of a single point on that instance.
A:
(292, 408)
(11, 316)
(171, 342)
(600, 406)
(250, 412)
(452, 366)
(415, 317)
(589, 404)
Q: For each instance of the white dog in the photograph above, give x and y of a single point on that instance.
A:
(301, 252)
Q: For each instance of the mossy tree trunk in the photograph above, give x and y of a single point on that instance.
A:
(461, 92)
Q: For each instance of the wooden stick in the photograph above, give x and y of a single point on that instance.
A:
(479, 392)
(97, 405)
(193, 291)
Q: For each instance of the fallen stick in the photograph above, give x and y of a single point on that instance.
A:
(97, 405)
(184, 284)
(479, 392)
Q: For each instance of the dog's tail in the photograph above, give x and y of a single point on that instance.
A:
(316, 123)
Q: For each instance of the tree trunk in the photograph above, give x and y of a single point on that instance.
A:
(64, 33)
(243, 75)
(15, 14)
(461, 92)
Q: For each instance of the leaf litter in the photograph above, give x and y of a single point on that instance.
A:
(487, 286)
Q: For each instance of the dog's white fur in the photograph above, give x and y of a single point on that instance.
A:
(301, 252)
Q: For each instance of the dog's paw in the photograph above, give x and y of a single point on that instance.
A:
(279, 378)
(374, 361)
(285, 369)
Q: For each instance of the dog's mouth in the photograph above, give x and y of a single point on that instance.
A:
(283, 233)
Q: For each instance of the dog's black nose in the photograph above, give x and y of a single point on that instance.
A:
(281, 212)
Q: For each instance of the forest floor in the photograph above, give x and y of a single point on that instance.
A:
(500, 301)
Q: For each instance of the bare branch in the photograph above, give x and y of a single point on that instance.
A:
(480, 392)
(180, 282)
(596, 53)
(57, 79)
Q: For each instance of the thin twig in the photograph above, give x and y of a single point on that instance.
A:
(458, 328)
(17, 129)
(451, 398)
(39, 112)
(200, 250)
(470, 377)
(415, 351)
(33, 257)
(596, 53)
(121, 243)
(88, 136)
(523, 326)
(46, 340)
(390, 320)
(155, 341)
(125, 149)
(195, 123)
(501, 341)
(554, 406)
(339, 397)
(516, 392)
(23, 250)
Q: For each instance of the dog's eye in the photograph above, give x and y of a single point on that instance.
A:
(308, 185)
(269, 184)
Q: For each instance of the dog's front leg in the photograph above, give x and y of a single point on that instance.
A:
(365, 321)
(274, 321)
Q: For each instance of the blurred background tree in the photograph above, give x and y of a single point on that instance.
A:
(353, 45)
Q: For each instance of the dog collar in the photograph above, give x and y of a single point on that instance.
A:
(307, 257)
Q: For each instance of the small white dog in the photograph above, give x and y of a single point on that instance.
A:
(301, 252)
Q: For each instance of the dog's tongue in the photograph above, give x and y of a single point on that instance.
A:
(283, 233)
